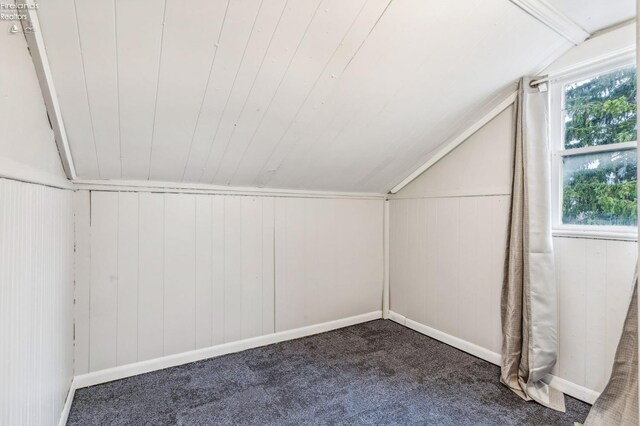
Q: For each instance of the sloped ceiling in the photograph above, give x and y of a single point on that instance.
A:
(595, 15)
(306, 94)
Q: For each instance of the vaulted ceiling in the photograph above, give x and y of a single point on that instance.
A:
(299, 94)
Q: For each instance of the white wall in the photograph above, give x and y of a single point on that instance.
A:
(27, 145)
(447, 246)
(594, 284)
(36, 302)
(159, 274)
(328, 259)
(36, 250)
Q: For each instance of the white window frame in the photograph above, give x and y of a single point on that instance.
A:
(556, 138)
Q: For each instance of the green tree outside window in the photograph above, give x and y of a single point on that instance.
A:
(600, 188)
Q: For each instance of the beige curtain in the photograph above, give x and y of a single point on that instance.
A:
(618, 403)
(529, 298)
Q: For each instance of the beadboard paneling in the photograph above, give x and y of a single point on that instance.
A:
(36, 302)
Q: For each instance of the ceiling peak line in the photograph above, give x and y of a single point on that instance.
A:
(554, 19)
(266, 110)
(155, 108)
(206, 86)
(265, 168)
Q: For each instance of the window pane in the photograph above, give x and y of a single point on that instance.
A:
(600, 189)
(601, 110)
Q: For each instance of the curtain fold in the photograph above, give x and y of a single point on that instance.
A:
(529, 295)
(618, 403)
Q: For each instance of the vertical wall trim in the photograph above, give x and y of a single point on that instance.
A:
(275, 256)
(386, 277)
(82, 269)
(90, 265)
(638, 189)
(164, 262)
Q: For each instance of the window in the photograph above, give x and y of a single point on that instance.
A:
(593, 131)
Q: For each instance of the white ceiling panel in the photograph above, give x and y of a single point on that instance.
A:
(230, 86)
(304, 94)
(138, 68)
(59, 26)
(596, 15)
(190, 46)
(97, 38)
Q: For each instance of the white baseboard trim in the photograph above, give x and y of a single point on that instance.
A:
(579, 392)
(142, 367)
(450, 340)
(64, 416)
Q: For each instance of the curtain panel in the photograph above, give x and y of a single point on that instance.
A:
(529, 295)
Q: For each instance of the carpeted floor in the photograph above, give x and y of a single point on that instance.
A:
(373, 373)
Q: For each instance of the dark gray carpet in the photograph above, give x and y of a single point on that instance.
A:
(373, 373)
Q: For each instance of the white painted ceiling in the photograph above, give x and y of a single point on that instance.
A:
(299, 94)
(596, 15)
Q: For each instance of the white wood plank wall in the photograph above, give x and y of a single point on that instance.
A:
(36, 302)
(329, 262)
(446, 263)
(160, 274)
(448, 235)
(447, 271)
(594, 286)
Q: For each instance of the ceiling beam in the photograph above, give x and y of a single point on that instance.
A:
(554, 19)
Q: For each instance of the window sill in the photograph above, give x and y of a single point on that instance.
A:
(595, 234)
